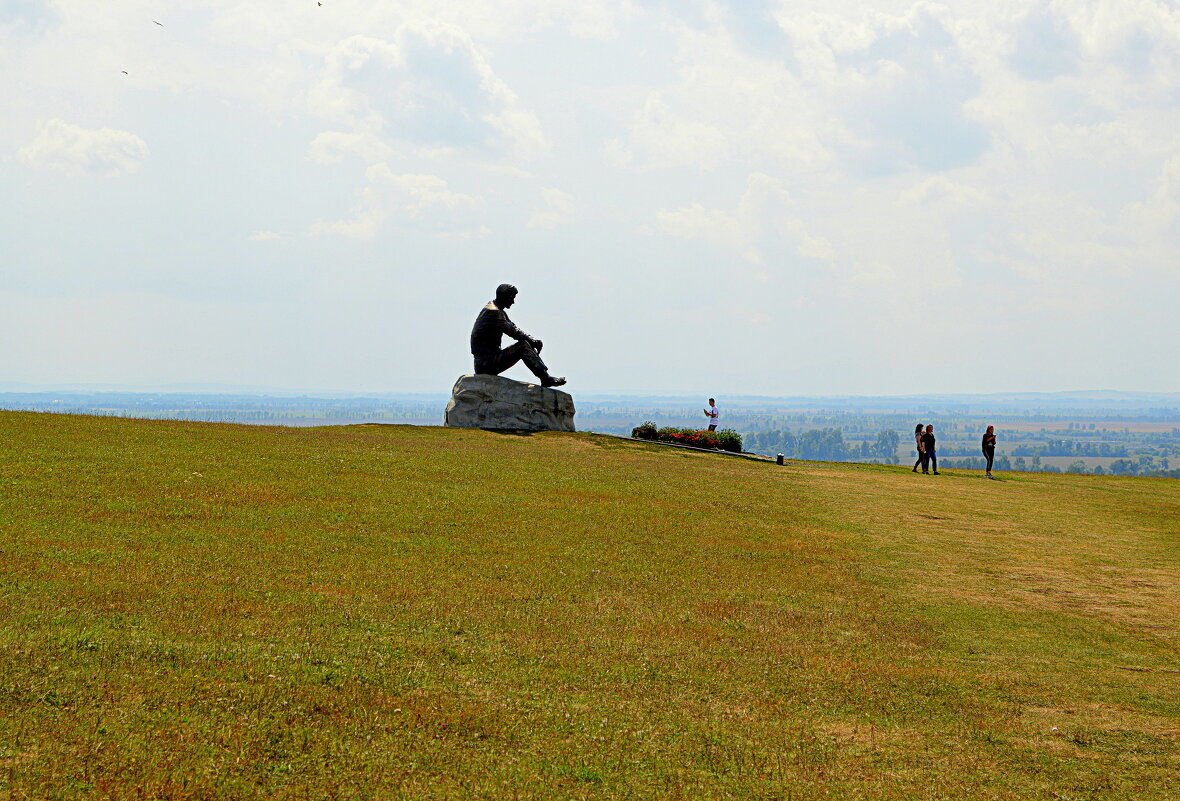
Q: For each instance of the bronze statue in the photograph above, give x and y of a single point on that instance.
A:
(491, 324)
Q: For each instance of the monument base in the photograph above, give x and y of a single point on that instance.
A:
(491, 401)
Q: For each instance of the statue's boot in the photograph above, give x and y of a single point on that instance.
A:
(532, 360)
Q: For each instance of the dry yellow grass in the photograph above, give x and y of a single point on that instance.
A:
(203, 611)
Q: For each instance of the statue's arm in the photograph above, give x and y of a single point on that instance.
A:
(509, 328)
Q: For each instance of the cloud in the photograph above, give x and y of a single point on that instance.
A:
(941, 192)
(715, 225)
(522, 129)
(331, 147)
(1046, 46)
(430, 86)
(762, 223)
(669, 139)
(28, 16)
(426, 200)
(906, 92)
(74, 150)
(731, 105)
(752, 23)
(559, 210)
(265, 236)
(1159, 215)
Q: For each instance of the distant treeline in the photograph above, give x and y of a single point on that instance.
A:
(1143, 465)
(976, 462)
(1065, 447)
(823, 444)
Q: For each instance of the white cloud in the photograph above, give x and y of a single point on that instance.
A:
(1164, 204)
(717, 226)
(731, 106)
(558, 210)
(763, 221)
(265, 236)
(330, 147)
(522, 129)
(895, 86)
(74, 150)
(427, 200)
(28, 16)
(941, 192)
(668, 139)
(425, 191)
(430, 86)
(616, 153)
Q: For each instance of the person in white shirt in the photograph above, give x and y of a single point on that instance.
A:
(713, 413)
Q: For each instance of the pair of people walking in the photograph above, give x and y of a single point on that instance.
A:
(925, 442)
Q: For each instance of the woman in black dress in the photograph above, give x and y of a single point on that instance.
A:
(989, 448)
(918, 445)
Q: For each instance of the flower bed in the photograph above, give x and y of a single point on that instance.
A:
(725, 440)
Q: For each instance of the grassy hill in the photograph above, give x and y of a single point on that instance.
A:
(213, 611)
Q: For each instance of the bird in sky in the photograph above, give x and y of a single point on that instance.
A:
(159, 23)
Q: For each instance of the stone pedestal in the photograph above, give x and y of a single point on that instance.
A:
(490, 401)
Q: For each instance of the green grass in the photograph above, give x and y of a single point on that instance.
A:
(213, 611)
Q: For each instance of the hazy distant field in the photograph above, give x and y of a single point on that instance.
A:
(213, 611)
(1063, 462)
(1144, 430)
(1080, 422)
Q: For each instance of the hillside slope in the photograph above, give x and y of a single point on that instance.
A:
(203, 611)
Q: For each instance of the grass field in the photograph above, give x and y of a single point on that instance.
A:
(213, 611)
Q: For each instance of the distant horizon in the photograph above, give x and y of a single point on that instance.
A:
(1092, 431)
(214, 389)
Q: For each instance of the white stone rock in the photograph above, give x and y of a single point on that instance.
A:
(491, 401)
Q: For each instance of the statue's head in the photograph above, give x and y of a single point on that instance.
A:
(505, 295)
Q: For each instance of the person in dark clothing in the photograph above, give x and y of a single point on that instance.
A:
(928, 444)
(487, 333)
(920, 448)
(989, 448)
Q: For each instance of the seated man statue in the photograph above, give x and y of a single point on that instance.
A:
(491, 324)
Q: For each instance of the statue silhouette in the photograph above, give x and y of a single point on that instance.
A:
(491, 326)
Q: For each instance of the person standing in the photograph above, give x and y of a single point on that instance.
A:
(921, 449)
(713, 413)
(928, 445)
(989, 448)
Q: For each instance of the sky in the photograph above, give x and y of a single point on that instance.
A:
(748, 197)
